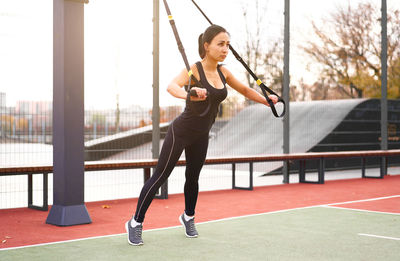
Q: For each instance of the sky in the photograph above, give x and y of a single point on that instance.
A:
(119, 40)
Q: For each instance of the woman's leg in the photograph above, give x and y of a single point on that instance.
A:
(195, 157)
(171, 151)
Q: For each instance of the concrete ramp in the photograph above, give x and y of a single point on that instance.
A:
(256, 131)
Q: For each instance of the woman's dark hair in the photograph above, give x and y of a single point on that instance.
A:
(208, 36)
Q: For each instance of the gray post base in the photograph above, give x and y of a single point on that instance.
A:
(68, 215)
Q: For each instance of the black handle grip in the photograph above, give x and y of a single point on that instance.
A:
(193, 93)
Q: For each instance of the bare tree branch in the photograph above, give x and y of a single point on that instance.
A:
(348, 47)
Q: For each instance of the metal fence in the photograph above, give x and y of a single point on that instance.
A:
(242, 127)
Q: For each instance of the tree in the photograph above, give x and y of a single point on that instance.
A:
(265, 61)
(348, 47)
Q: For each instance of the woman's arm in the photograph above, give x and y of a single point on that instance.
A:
(176, 90)
(245, 90)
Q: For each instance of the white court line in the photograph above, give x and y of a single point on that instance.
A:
(362, 210)
(156, 229)
(384, 237)
(361, 200)
(212, 221)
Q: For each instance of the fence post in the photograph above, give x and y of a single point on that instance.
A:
(286, 91)
(156, 105)
(384, 108)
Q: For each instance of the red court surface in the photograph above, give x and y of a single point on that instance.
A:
(23, 226)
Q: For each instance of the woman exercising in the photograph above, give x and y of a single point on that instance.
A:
(189, 131)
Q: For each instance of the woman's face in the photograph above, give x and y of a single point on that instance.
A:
(219, 47)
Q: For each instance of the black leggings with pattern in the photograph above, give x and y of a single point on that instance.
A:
(173, 146)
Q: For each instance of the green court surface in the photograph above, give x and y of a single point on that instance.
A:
(315, 233)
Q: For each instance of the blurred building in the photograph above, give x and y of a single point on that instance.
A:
(34, 107)
(2, 100)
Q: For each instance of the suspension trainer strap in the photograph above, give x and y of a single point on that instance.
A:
(185, 60)
(264, 88)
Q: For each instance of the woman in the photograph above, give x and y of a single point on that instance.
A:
(190, 131)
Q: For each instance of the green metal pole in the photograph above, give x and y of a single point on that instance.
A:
(384, 107)
(156, 98)
(156, 91)
(286, 91)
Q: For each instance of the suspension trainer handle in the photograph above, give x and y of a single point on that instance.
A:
(185, 60)
(264, 88)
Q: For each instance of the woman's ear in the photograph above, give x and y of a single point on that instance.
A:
(206, 46)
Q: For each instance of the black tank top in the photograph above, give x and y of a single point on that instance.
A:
(189, 122)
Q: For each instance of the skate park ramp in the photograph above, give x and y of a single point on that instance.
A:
(326, 125)
(256, 131)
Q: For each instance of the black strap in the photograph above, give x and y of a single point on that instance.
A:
(190, 73)
(221, 75)
(264, 88)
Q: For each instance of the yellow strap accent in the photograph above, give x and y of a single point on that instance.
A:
(170, 17)
(190, 73)
(259, 82)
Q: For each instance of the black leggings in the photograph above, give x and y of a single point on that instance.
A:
(173, 146)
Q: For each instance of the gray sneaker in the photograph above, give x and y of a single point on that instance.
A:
(134, 234)
(190, 229)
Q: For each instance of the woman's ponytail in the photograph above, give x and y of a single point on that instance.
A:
(202, 51)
